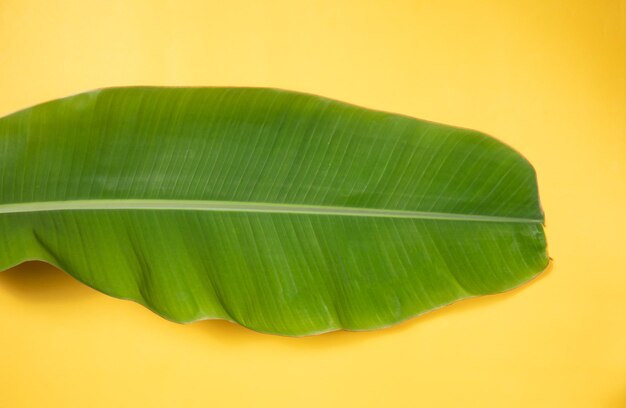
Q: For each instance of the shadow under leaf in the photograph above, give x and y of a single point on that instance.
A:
(42, 283)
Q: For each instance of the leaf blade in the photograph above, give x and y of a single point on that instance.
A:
(348, 213)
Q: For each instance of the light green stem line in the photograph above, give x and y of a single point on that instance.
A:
(221, 206)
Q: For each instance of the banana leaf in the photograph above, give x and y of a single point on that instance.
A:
(288, 213)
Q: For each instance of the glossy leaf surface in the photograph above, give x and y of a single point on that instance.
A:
(288, 213)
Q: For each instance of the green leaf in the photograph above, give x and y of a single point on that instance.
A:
(285, 212)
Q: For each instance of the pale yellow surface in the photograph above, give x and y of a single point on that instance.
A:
(547, 77)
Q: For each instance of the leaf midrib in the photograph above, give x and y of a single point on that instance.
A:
(233, 206)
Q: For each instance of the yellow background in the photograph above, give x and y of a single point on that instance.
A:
(545, 76)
